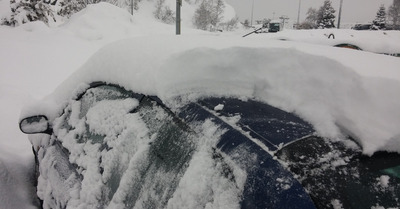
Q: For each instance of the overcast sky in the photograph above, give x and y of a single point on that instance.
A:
(353, 11)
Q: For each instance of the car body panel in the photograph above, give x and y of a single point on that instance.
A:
(268, 183)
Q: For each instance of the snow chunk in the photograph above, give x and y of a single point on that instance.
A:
(384, 181)
(105, 117)
(219, 107)
(336, 204)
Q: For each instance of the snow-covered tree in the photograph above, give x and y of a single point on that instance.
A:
(217, 9)
(326, 15)
(394, 14)
(311, 19)
(209, 14)
(230, 24)
(164, 13)
(24, 11)
(202, 16)
(70, 7)
(380, 20)
(136, 4)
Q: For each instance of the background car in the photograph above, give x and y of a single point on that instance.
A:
(362, 27)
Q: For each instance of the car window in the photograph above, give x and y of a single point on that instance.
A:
(100, 93)
(167, 158)
(132, 152)
(102, 116)
(334, 171)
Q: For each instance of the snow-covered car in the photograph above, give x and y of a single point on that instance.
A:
(376, 41)
(209, 124)
(363, 27)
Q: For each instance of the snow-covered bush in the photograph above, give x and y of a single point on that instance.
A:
(209, 15)
(164, 13)
(27, 11)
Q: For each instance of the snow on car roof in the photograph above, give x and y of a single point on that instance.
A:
(330, 93)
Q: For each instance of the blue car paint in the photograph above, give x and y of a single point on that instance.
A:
(268, 183)
(270, 125)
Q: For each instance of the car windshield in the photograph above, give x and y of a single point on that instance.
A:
(143, 154)
(338, 172)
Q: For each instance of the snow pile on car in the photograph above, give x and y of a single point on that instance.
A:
(334, 98)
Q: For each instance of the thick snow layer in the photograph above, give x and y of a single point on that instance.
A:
(336, 98)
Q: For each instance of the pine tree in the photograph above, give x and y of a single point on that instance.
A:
(380, 20)
(70, 7)
(27, 11)
(326, 15)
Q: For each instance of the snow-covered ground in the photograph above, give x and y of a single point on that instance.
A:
(35, 59)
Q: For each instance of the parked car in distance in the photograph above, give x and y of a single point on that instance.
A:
(275, 26)
(362, 27)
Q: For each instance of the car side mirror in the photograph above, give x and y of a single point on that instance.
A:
(35, 124)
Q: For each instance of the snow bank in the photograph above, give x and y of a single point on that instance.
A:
(107, 22)
(98, 20)
(335, 98)
(12, 189)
